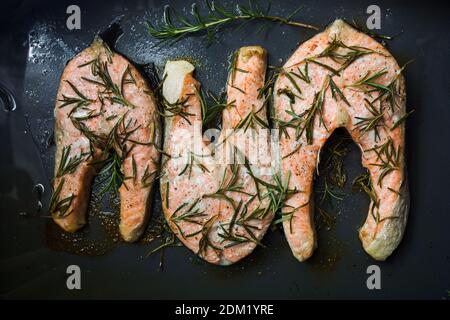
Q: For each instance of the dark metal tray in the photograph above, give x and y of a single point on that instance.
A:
(34, 254)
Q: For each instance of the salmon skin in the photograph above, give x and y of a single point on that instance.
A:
(218, 209)
(105, 114)
(344, 78)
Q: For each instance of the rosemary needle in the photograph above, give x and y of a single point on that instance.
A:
(68, 164)
(402, 119)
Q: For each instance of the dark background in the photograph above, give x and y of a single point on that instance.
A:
(34, 47)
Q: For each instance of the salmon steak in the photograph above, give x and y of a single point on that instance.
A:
(217, 197)
(343, 78)
(105, 117)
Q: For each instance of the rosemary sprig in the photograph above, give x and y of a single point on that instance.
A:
(252, 120)
(340, 53)
(278, 194)
(193, 161)
(80, 100)
(217, 17)
(302, 75)
(133, 169)
(94, 139)
(227, 234)
(304, 122)
(204, 105)
(289, 215)
(166, 199)
(256, 214)
(160, 230)
(69, 164)
(232, 239)
(233, 69)
(267, 89)
(212, 106)
(328, 194)
(119, 134)
(240, 217)
(402, 119)
(148, 178)
(288, 93)
(335, 91)
(111, 117)
(397, 192)
(259, 183)
(361, 27)
(178, 108)
(59, 207)
(228, 185)
(390, 92)
(244, 222)
(289, 76)
(369, 81)
(323, 65)
(114, 93)
(310, 114)
(293, 151)
(388, 157)
(365, 124)
(204, 242)
(127, 78)
(294, 123)
(352, 53)
(364, 183)
(114, 150)
(191, 215)
(112, 173)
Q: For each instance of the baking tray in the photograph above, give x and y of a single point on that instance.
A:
(35, 45)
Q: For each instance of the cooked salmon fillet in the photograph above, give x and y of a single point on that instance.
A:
(215, 198)
(104, 114)
(344, 78)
